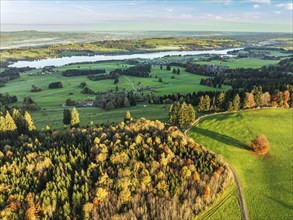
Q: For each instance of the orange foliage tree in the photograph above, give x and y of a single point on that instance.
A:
(260, 144)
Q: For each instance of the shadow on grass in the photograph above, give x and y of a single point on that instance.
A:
(282, 203)
(221, 138)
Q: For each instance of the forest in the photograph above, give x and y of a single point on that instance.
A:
(144, 169)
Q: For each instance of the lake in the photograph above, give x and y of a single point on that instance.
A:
(80, 59)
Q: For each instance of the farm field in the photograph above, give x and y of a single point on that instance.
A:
(266, 180)
(240, 62)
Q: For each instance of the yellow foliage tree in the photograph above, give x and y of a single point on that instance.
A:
(29, 122)
(9, 124)
(74, 118)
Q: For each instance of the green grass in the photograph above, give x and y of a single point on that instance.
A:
(266, 180)
(240, 63)
(54, 116)
(224, 206)
(51, 100)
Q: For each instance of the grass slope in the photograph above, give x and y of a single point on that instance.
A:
(266, 180)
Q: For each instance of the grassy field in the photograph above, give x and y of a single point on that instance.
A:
(51, 100)
(183, 83)
(266, 180)
(240, 62)
(54, 116)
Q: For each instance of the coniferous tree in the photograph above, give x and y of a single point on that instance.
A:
(173, 113)
(257, 92)
(230, 106)
(286, 99)
(236, 102)
(280, 100)
(66, 116)
(9, 124)
(74, 122)
(183, 115)
(249, 101)
(19, 120)
(128, 117)
(29, 122)
(2, 124)
(204, 103)
(220, 102)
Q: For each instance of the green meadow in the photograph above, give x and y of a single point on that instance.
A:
(240, 62)
(266, 180)
(51, 100)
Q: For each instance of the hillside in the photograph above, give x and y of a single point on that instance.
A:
(266, 180)
(142, 170)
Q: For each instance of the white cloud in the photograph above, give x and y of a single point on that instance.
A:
(265, 2)
(214, 17)
(277, 12)
(256, 6)
(170, 10)
(288, 6)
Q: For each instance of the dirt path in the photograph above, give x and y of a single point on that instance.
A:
(236, 178)
(132, 84)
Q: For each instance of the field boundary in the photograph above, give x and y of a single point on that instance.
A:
(242, 202)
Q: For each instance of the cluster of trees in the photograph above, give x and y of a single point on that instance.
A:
(248, 100)
(128, 170)
(35, 89)
(29, 104)
(181, 115)
(11, 74)
(55, 85)
(71, 118)
(78, 72)
(140, 70)
(5, 99)
(112, 75)
(269, 77)
(15, 122)
(112, 100)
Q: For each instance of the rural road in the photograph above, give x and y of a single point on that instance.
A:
(132, 84)
(236, 178)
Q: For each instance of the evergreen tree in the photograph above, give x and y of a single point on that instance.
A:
(128, 117)
(174, 71)
(204, 103)
(220, 102)
(200, 107)
(2, 124)
(74, 122)
(183, 115)
(29, 122)
(236, 102)
(19, 120)
(280, 100)
(66, 116)
(178, 71)
(191, 114)
(249, 101)
(173, 113)
(168, 67)
(9, 124)
(257, 92)
(230, 106)
(286, 98)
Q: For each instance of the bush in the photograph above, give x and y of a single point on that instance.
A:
(260, 144)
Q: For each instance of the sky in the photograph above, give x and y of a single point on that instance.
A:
(148, 15)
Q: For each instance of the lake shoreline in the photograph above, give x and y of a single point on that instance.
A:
(60, 61)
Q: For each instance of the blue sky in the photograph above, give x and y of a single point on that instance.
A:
(140, 15)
